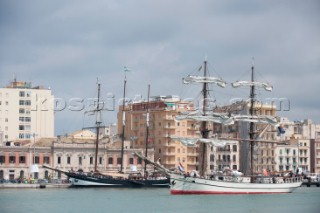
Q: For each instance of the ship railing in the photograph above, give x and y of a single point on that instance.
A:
(287, 179)
(264, 180)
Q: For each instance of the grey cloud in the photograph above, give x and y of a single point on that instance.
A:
(68, 44)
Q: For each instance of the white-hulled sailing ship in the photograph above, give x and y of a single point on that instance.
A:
(235, 182)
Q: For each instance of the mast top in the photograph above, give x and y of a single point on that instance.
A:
(252, 62)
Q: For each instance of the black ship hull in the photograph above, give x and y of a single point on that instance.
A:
(86, 180)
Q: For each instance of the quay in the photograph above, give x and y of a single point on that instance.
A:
(311, 183)
(33, 185)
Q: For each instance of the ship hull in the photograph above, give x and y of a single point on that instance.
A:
(80, 180)
(190, 185)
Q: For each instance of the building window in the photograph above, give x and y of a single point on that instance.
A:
(46, 160)
(59, 160)
(68, 160)
(234, 158)
(80, 160)
(2, 159)
(234, 147)
(139, 161)
(22, 94)
(21, 102)
(21, 174)
(12, 159)
(130, 160)
(119, 160)
(22, 159)
(100, 160)
(91, 160)
(110, 160)
(36, 159)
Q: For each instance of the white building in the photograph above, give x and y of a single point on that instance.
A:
(305, 129)
(292, 155)
(24, 111)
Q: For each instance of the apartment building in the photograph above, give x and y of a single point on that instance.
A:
(317, 156)
(295, 153)
(25, 112)
(263, 151)
(162, 125)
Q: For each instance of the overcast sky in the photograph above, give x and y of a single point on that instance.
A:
(67, 45)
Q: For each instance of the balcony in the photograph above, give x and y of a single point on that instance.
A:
(168, 154)
(169, 163)
(192, 154)
(192, 163)
(169, 127)
(169, 118)
(192, 128)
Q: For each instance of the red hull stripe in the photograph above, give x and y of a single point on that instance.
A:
(181, 192)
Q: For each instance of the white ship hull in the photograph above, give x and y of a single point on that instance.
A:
(191, 185)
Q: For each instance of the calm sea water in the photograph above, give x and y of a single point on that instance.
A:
(90, 200)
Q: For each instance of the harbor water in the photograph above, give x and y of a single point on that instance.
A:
(77, 200)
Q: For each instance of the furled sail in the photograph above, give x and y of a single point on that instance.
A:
(211, 117)
(199, 79)
(266, 86)
(263, 119)
(227, 119)
(192, 141)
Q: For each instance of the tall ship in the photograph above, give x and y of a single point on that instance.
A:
(121, 179)
(230, 182)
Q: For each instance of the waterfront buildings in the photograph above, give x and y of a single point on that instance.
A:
(66, 153)
(26, 112)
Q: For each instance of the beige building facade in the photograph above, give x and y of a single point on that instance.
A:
(25, 112)
(162, 125)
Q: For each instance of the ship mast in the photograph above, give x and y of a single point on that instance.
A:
(123, 121)
(252, 126)
(147, 131)
(98, 122)
(204, 125)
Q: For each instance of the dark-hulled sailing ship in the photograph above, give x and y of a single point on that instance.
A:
(120, 180)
